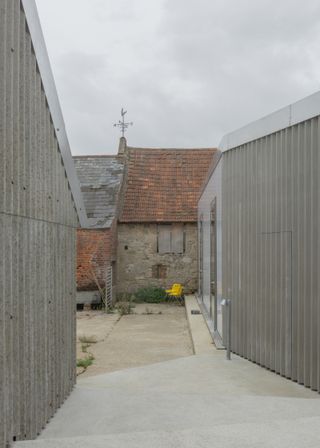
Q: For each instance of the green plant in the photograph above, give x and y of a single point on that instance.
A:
(125, 308)
(150, 294)
(88, 339)
(84, 348)
(85, 362)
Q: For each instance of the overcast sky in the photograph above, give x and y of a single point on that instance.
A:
(187, 71)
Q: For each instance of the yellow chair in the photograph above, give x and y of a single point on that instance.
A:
(176, 292)
(175, 287)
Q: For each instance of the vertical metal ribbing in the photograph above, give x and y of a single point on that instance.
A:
(8, 328)
(271, 271)
(3, 391)
(52, 285)
(8, 156)
(22, 117)
(21, 159)
(247, 223)
(3, 56)
(258, 260)
(314, 200)
(295, 151)
(8, 224)
(306, 228)
(45, 250)
(59, 292)
(316, 253)
(16, 328)
(50, 343)
(317, 248)
(3, 426)
(33, 204)
(300, 258)
(27, 128)
(63, 313)
(42, 342)
(271, 187)
(251, 160)
(40, 215)
(37, 246)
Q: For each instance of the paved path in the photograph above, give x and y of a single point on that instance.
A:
(198, 401)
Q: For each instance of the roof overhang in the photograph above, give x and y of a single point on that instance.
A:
(298, 112)
(43, 62)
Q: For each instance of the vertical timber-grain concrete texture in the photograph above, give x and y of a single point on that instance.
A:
(271, 250)
(137, 255)
(37, 244)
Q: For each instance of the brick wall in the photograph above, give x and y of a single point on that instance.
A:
(95, 251)
(140, 264)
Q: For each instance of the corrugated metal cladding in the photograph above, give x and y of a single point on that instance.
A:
(271, 250)
(37, 244)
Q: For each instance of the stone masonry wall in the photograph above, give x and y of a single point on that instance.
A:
(139, 264)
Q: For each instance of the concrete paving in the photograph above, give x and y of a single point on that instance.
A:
(197, 401)
(201, 339)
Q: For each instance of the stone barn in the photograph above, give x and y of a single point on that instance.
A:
(142, 218)
(157, 226)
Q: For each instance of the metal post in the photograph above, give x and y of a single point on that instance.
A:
(228, 304)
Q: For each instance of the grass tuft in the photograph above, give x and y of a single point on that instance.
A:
(85, 362)
(88, 339)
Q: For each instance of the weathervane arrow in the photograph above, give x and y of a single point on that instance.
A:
(122, 124)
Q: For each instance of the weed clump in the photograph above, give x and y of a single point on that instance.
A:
(85, 362)
(125, 308)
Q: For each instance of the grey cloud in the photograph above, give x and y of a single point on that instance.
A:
(187, 73)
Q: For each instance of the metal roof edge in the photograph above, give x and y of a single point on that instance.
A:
(49, 86)
(215, 162)
(295, 113)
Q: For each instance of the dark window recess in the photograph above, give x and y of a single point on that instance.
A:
(159, 271)
(171, 239)
(125, 247)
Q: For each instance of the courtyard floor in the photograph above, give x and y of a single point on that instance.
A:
(153, 333)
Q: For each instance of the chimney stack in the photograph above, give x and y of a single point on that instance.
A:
(122, 146)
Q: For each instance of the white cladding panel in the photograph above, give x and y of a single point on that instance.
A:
(212, 191)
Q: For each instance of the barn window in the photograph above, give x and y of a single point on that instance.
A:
(159, 271)
(171, 239)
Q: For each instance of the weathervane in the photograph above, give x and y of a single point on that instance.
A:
(122, 124)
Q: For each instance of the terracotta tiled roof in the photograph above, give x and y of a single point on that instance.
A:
(163, 185)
